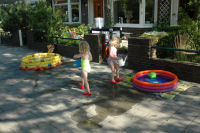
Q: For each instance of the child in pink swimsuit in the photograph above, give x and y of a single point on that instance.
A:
(112, 60)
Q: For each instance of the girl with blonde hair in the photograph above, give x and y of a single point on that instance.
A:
(86, 57)
(112, 60)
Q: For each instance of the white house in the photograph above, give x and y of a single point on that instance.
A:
(131, 15)
(121, 13)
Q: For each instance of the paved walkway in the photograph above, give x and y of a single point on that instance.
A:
(50, 101)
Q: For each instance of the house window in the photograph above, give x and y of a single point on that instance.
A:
(64, 10)
(75, 13)
(126, 11)
(70, 8)
(149, 11)
(133, 13)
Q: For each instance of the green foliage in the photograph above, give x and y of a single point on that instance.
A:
(191, 28)
(110, 22)
(154, 35)
(73, 31)
(166, 41)
(38, 17)
(191, 8)
(43, 21)
(196, 59)
(83, 29)
(122, 50)
(180, 56)
(166, 28)
(14, 16)
(184, 36)
(184, 56)
(0, 27)
(69, 42)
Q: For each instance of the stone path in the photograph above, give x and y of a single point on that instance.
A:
(50, 101)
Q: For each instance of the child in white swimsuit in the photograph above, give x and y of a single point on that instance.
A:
(112, 60)
(86, 57)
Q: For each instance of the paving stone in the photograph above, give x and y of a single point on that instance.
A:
(27, 128)
(108, 130)
(175, 124)
(46, 127)
(190, 97)
(8, 127)
(142, 126)
(193, 127)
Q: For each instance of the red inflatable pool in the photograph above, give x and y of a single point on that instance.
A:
(165, 81)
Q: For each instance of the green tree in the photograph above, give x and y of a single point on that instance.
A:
(191, 7)
(14, 16)
(43, 20)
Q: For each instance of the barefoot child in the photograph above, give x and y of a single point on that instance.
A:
(112, 60)
(86, 57)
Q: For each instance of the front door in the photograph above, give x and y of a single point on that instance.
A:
(98, 8)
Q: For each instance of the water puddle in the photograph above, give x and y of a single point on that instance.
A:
(114, 100)
(84, 121)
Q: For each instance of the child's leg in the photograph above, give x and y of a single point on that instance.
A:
(116, 66)
(117, 72)
(85, 78)
(113, 70)
(82, 79)
(81, 84)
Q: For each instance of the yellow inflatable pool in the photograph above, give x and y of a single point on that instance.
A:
(40, 61)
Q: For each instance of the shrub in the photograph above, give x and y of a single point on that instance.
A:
(43, 21)
(191, 28)
(73, 31)
(38, 17)
(14, 16)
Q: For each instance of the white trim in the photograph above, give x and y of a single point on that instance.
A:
(142, 13)
(20, 38)
(112, 11)
(174, 12)
(69, 12)
(32, 1)
(80, 14)
(155, 11)
(134, 25)
(61, 4)
(90, 12)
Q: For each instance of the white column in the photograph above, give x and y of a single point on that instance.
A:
(80, 14)
(174, 12)
(90, 12)
(69, 11)
(112, 10)
(142, 13)
(20, 38)
(155, 11)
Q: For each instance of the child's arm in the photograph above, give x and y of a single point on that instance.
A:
(77, 56)
(90, 56)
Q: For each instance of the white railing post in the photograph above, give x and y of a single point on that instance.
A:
(20, 38)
